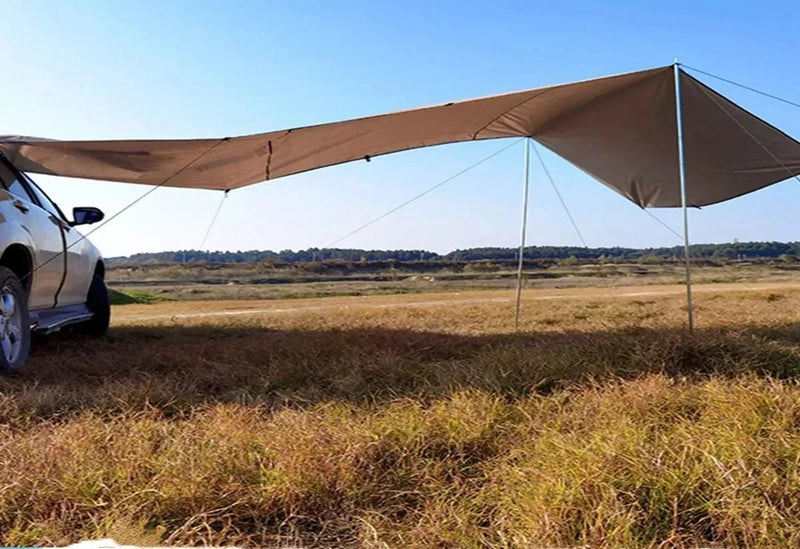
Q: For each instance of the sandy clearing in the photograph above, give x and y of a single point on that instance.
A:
(176, 311)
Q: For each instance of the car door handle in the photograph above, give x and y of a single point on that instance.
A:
(21, 206)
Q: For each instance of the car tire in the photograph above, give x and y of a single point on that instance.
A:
(98, 303)
(15, 325)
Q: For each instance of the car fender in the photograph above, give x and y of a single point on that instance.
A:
(13, 233)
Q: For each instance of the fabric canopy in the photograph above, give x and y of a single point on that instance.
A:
(621, 129)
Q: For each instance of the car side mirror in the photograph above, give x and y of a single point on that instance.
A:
(86, 216)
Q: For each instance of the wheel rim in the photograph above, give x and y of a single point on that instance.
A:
(10, 325)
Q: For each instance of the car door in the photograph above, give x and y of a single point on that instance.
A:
(80, 269)
(79, 266)
(45, 237)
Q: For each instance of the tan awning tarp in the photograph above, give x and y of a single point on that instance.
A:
(619, 129)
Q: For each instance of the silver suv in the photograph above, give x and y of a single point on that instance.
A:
(51, 276)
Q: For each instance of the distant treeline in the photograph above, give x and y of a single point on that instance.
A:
(736, 250)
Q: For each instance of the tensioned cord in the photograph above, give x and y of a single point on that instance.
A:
(754, 90)
(423, 193)
(126, 208)
(214, 219)
(434, 187)
(566, 209)
(753, 137)
(663, 224)
(558, 194)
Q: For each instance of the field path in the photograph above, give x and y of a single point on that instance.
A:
(179, 310)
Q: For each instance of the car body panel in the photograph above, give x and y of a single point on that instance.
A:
(64, 261)
(82, 259)
(43, 239)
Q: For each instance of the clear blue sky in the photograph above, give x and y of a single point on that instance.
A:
(154, 69)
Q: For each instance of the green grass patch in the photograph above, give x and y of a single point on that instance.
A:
(133, 297)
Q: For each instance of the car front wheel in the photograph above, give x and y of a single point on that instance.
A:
(15, 329)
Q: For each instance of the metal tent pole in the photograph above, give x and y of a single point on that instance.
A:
(682, 173)
(524, 229)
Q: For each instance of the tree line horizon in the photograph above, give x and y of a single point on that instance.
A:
(787, 251)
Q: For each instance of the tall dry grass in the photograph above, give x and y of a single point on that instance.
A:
(601, 423)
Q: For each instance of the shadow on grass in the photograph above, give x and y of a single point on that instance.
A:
(178, 368)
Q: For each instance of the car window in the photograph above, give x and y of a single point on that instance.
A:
(43, 199)
(12, 184)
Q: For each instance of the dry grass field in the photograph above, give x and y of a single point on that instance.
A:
(204, 281)
(416, 421)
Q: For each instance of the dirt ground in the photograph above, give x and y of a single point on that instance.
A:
(176, 311)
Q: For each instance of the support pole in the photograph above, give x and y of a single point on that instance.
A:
(682, 172)
(524, 229)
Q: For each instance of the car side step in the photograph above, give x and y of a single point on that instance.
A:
(50, 320)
